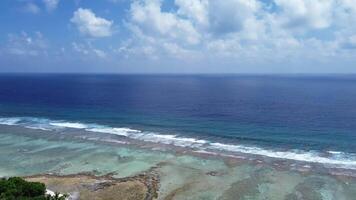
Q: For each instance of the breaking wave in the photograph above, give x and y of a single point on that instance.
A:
(329, 158)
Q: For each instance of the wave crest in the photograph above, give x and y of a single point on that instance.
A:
(335, 159)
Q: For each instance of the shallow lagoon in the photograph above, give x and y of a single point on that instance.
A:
(182, 176)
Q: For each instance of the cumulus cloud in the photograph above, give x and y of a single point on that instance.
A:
(148, 17)
(88, 50)
(314, 14)
(51, 4)
(232, 15)
(230, 31)
(25, 44)
(195, 27)
(240, 29)
(31, 8)
(348, 42)
(89, 24)
(196, 10)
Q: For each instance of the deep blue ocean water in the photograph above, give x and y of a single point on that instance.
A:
(270, 111)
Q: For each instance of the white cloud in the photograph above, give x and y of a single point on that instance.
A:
(80, 48)
(348, 43)
(32, 8)
(51, 4)
(88, 50)
(314, 14)
(89, 24)
(237, 31)
(25, 44)
(193, 27)
(231, 15)
(352, 40)
(257, 36)
(219, 17)
(99, 53)
(240, 29)
(150, 19)
(193, 31)
(196, 10)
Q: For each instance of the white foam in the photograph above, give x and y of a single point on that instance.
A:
(337, 159)
(335, 152)
(116, 131)
(69, 125)
(52, 194)
(38, 128)
(114, 141)
(150, 137)
(303, 156)
(171, 139)
(10, 121)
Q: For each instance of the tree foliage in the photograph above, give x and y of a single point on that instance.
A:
(16, 188)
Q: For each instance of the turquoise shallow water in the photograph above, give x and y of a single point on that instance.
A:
(182, 176)
(26, 155)
(200, 145)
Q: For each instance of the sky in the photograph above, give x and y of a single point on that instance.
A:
(178, 36)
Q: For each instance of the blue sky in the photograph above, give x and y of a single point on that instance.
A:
(178, 36)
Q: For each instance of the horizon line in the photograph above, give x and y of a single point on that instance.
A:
(181, 73)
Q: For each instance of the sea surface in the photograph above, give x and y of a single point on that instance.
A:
(296, 118)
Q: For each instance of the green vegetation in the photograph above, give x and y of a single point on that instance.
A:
(16, 188)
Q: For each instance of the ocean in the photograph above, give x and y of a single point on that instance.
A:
(301, 118)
